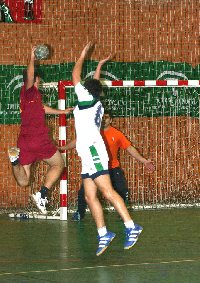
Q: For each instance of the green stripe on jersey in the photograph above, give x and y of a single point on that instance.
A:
(96, 159)
(87, 103)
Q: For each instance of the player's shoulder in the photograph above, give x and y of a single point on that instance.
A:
(118, 134)
(115, 130)
(30, 89)
(79, 86)
(82, 92)
(22, 88)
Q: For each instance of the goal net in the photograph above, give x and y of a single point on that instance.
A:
(162, 122)
(161, 119)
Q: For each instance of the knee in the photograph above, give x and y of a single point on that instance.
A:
(123, 194)
(60, 165)
(23, 183)
(88, 199)
(108, 194)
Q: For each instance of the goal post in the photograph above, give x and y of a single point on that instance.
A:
(160, 117)
(176, 141)
(62, 142)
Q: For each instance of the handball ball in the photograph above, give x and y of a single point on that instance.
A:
(42, 52)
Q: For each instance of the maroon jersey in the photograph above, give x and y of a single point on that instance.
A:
(33, 141)
(32, 112)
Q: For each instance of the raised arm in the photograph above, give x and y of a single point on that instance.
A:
(76, 73)
(31, 69)
(147, 163)
(100, 64)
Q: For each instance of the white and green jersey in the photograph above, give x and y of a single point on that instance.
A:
(88, 115)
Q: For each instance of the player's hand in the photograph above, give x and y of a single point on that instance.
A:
(149, 165)
(87, 48)
(68, 110)
(103, 61)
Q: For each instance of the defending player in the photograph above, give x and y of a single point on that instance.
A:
(94, 158)
(114, 141)
(34, 143)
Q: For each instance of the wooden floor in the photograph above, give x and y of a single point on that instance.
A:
(167, 251)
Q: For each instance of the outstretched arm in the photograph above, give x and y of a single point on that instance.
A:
(31, 69)
(100, 64)
(76, 73)
(70, 145)
(49, 110)
(147, 163)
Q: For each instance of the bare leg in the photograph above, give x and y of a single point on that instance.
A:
(56, 164)
(93, 202)
(103, 182)
(22, 174)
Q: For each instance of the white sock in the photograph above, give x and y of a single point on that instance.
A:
(102, 231)
(129, 224)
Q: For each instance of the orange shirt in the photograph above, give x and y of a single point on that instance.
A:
(114, 140)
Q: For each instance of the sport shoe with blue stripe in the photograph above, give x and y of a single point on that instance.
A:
(132, 235)
(40, 202)
(76, 216)
(104, 241)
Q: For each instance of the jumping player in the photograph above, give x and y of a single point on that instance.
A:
(114, 141)
(94, 158)
(34, 143)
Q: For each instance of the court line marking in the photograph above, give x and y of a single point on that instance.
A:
(99, 266)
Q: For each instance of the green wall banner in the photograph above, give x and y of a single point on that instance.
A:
(137, 101)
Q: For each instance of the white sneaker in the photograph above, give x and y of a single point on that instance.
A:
(13, 153)
(40, 202)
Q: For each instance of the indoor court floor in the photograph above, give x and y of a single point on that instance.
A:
(168, 250)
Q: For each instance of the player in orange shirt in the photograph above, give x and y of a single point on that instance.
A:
(114, 141)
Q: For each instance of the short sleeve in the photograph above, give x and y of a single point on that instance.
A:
(124, 142)
(82, 93)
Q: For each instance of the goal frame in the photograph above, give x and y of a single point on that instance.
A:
(62, 85)
(62, 96)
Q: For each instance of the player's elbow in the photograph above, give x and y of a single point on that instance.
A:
(23, 183)
(75, 78)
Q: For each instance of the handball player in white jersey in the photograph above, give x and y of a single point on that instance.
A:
(90, 145)
(94, 158)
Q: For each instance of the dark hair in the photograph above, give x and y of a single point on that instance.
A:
(94, 87)
(36, 74)
(106, 111)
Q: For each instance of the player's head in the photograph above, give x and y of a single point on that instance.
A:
(94, 87)
(25, 76)
(107, 119)
(108, 113)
